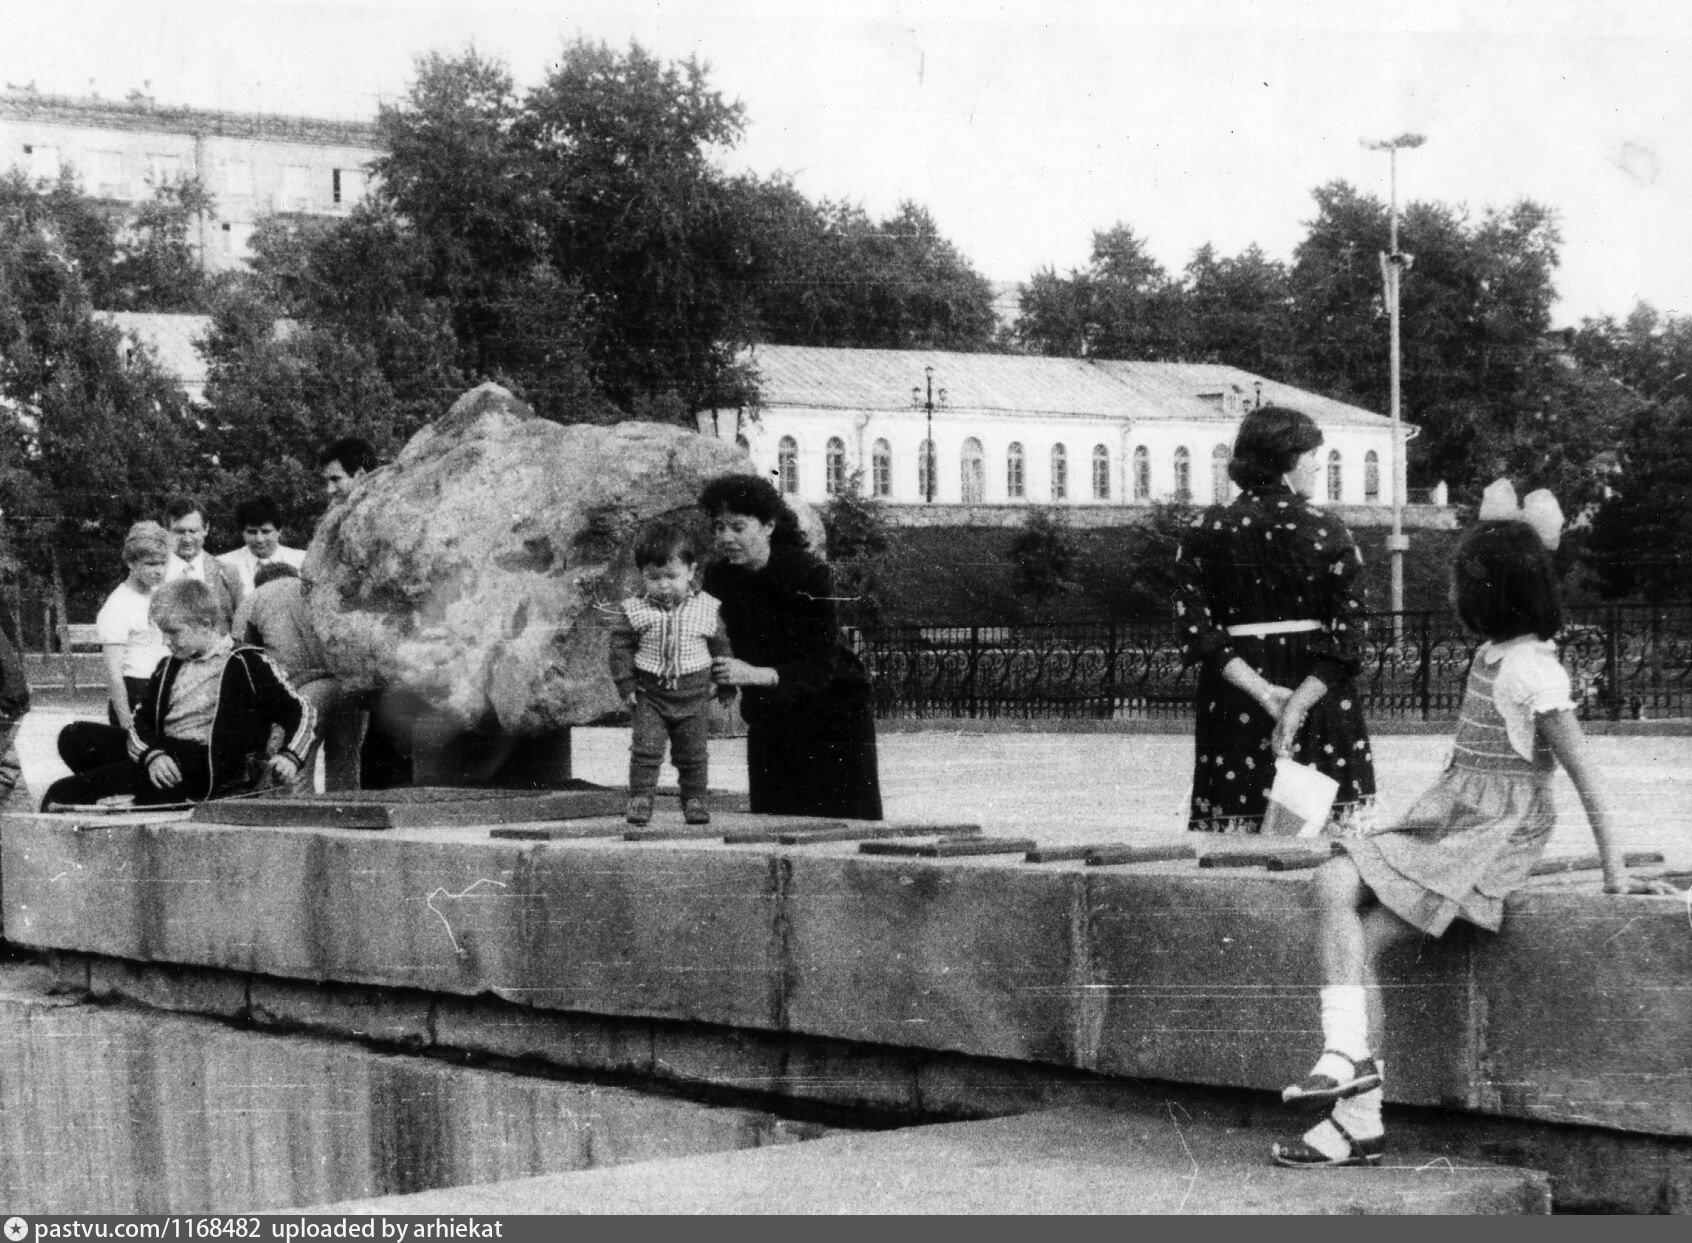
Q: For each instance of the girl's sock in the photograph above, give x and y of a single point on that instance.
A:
(1345, 1029)
(1360, 1115)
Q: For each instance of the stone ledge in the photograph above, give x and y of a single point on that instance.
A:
(1571, 1014)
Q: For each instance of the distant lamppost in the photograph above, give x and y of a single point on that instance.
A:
(928, 401)
(1393, 266)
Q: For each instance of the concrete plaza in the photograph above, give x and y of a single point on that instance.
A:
(1074, 788)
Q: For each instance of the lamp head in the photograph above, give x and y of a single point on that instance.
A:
(1404, 142)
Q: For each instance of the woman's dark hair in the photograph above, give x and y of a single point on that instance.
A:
(662, 543)
(752, 497)
(1504, 583)
(1270, 442)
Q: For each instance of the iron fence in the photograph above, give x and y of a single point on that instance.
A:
(1623, 661)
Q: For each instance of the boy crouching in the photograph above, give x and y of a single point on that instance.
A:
(204, 723)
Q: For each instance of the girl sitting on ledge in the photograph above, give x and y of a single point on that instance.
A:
(1471, 838)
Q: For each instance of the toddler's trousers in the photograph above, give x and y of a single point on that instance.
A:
(680, 717)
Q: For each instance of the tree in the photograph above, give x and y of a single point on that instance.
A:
(1641, 539)
(1043, 554)
(89, 442)
(826, 274)
(1122, 306)
(158, 265)
(616, 148)
(859, 541)
(1238, 311)
(1474, 311)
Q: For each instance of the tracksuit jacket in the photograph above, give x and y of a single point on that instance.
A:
(253, 695)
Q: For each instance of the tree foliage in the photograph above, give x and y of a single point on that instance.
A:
(90, 440)
(1641, 538)
(859, 543)
(1122, 305)
(1043, 556)
(827, 274)
(1475, 308)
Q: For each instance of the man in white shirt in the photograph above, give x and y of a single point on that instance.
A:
(262, 541)
(189, 559)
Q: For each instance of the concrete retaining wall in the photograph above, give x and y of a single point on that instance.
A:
(1578, 1012)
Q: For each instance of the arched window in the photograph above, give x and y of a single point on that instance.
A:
(881, 468)
(1335, 475)
(1101, 473)
(1142, 473)
(787, 465)
(926, 482)
(1183, 475)
(1060, 473)
(1219, 480)
(1372, 477)
(974, 471)
(1016, 473)
(834, 478)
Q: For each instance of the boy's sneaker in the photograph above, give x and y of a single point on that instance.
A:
(640, 809)
(694, 811)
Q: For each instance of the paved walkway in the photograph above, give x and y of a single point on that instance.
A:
(1058, 1161)
(1070, 788)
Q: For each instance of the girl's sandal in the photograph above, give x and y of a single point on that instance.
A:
(1322, 1089)
(1300, 1154)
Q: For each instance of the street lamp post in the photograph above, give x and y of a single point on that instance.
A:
(1393, 266)
(930, 402)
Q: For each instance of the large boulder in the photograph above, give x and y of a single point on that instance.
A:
(478, 571)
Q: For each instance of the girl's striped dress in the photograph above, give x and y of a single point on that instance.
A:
(1471, 838)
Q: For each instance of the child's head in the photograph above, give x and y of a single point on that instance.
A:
(270, 571)
(186, 614)
(146, 551)
(666, 557)
(1503, 583)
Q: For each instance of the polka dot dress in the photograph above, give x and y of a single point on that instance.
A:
(1271, 557)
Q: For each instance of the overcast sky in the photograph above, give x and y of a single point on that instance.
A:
(1024, 126)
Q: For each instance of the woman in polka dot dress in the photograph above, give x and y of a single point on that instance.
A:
(1266, 608)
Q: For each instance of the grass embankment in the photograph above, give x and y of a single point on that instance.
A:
(965, 575)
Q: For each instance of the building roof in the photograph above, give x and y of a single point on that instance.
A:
(1173, 379)
(816, 377)
(142, 114)
(819, 378)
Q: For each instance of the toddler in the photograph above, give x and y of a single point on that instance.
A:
(662, 645)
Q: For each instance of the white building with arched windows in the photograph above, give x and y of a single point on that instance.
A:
(1104, 440)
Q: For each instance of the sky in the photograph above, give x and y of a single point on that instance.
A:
(1024, 127)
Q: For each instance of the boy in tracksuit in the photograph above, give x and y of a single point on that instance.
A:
(662, 643)
(203, 726)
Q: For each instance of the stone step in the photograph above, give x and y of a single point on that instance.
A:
(1075, 1160)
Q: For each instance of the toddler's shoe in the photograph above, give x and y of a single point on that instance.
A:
(694, 811)
(640, 809)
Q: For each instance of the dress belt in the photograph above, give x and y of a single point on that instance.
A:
(1256, 630)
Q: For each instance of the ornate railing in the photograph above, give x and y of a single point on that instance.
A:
(1624, 661)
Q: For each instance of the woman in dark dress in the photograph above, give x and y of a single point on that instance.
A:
(1266, 608)
(810, 742)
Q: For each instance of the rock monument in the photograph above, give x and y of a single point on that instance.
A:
(474, 576)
